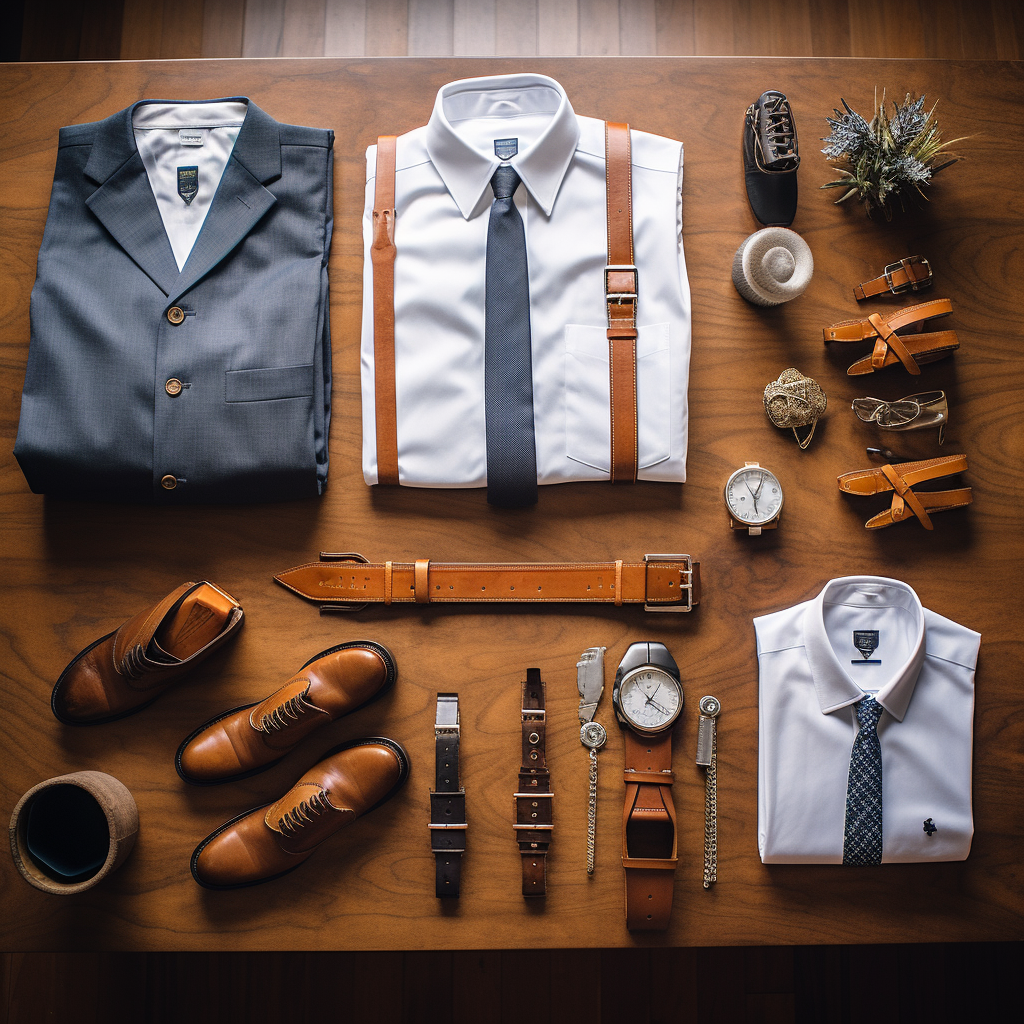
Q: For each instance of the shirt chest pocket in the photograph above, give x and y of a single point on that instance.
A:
(587, 390)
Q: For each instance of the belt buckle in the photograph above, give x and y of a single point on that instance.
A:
(685, 585)
(620, 297)
(911, 285)
(345, 556)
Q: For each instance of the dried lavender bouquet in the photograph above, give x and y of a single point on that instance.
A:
(890, 157)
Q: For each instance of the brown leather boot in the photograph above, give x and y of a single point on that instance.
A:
(252, 738)
(125, 670)
(270, 841)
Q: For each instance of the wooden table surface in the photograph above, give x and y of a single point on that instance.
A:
(73, 571)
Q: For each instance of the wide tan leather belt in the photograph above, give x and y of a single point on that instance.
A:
(911, 274)
(345, 582)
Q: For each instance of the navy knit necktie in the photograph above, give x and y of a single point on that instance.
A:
(508, 365)
(862, 836)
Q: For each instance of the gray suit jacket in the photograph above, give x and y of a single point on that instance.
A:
(253, 355)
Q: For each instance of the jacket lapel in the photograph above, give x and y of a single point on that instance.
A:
(124, 201)
(240, 201)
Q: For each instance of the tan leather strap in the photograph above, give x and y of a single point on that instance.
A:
(910, 274)
(531, 803)
(865, 330)
(889, 339)
(649, 834)
(660, 582)
(621, 287)
(904, 491)
(382, 255)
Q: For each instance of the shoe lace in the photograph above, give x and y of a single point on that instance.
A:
(780, 133)
(306, 813)
(287, 713)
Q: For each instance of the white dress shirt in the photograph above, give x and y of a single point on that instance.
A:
(443, 200)
(812, 673)
(174, 137)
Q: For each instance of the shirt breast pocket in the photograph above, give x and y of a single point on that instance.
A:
(587, 391)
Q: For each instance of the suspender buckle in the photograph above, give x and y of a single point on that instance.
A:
(617, 290)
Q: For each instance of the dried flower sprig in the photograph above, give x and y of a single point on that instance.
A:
(889, 157)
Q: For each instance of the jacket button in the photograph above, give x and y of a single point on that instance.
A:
(169, 482)
(173, 386)
(175, 314)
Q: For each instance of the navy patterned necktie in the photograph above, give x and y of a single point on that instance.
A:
(508, 364)
(862, 837)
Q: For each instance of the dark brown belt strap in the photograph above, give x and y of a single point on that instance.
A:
(532, 801)
(649, 834)
(447, 800)
(910, 274)
(345, 582)
(621, 287)
(382, 256)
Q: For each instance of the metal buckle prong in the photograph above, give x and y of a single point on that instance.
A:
(685, 584)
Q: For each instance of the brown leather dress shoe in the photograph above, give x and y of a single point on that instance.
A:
(125, 670)
(254, 737)
(270, 841)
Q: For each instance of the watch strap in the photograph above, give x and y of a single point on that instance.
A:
(382, 257)
(448, 800)
(345, 582)
(533, 799)
(621, 286)
(649, 835)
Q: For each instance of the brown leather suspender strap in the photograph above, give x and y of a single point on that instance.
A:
(621, 287)
(382, 255)
(532, 801)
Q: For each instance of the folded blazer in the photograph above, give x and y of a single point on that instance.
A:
(206, 382)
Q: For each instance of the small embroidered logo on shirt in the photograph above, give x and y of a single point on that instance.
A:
(505, 149)
(866, 640)
(930, 827)
(188, 183)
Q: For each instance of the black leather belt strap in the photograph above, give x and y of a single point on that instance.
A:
(533, 800)
(448, 800)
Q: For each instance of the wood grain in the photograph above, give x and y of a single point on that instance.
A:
(74, 571)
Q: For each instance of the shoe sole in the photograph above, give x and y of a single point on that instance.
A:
(91, 721)
(389, 682)
(393, 745)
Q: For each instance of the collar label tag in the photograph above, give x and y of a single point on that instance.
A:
(188, 183)
(866, 641)
(191, 137)
(505, 149)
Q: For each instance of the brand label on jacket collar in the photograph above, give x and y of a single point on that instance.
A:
(188, 183)
(505, 149)
(191, 136)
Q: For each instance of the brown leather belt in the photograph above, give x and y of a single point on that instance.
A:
(346, 582)
(649, 839)
(532, 802)
(911, 274)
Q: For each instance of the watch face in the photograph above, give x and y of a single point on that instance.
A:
(650, 699)
(753, 496)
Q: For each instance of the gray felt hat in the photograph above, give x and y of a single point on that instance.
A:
(772, 266)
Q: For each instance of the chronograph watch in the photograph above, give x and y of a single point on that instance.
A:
(648, 698)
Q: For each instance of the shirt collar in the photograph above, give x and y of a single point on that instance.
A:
(834, 687)
(467, 171)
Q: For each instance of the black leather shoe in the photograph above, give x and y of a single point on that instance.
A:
(770, 158)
